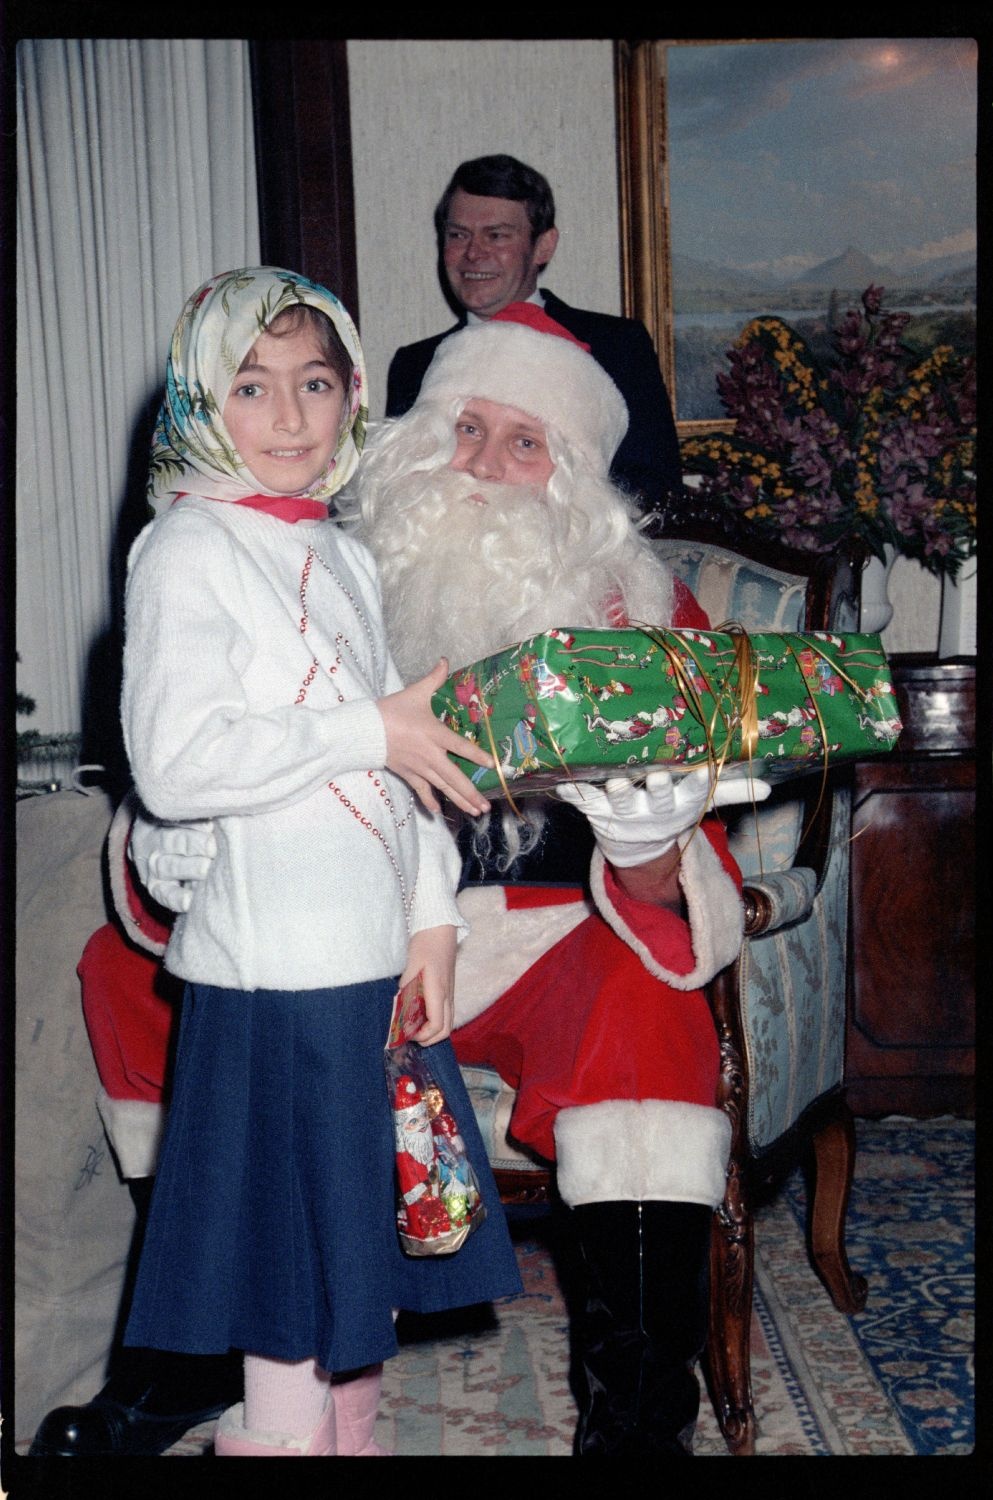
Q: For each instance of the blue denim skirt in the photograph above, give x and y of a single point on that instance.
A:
(272, 1223)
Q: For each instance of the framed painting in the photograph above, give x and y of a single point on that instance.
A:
(785, 177)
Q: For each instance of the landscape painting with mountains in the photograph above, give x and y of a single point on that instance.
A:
(802, 171)
(713, 303)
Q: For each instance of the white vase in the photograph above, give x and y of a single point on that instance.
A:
(877, 610)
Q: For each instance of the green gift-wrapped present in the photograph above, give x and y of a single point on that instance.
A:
(595, 703)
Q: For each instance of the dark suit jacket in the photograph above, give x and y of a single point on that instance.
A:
(647, 462)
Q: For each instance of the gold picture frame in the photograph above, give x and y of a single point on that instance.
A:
(643, 181)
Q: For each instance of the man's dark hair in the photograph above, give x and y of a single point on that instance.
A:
(501, 177)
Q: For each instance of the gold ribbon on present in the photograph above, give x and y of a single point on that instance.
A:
(735, 703)
(496, 753)
(735, 706)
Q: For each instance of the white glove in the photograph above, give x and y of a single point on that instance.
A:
(634, 823)
(170, 858)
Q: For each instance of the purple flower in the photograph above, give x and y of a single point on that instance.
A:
(872, 299)
(867, 444)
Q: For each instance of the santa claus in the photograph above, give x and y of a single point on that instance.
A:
(425, 1215)
(598, 917)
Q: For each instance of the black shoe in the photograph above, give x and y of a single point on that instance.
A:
(144, 1408)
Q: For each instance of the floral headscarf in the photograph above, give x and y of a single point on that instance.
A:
(192, 451)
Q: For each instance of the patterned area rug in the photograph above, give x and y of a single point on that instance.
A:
(896, 1379)
(911, 1233)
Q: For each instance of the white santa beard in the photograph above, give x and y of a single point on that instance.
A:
(462, 580)
(415, 1136)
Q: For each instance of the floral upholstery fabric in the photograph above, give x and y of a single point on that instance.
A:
(731, 588)
(492, 1101)
(792, 987)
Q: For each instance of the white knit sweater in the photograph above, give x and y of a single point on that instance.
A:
(326, 863)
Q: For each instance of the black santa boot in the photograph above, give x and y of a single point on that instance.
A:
(152, 1396)
(644, 1323)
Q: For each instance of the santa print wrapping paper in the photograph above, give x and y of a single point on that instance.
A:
(596, 703)
(438, 1198)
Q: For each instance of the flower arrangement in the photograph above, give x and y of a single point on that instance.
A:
(874, 444)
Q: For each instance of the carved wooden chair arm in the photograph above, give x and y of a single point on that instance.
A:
(775, 900)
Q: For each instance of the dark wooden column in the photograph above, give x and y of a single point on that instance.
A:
(303, 148)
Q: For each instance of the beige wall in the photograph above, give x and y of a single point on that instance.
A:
(417, 110)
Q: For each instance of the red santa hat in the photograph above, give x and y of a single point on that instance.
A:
(406, 1095)
(523, 358)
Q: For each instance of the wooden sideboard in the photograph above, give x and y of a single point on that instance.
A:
(912, 998)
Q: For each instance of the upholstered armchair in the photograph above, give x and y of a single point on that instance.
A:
(780, 1008)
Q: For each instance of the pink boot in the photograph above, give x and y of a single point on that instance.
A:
(356, 1403)
(234, 1440)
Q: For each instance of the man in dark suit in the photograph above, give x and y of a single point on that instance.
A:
(496, 234)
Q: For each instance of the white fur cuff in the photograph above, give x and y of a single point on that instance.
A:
(134, 1129)
(642, 1149)
(713, 905)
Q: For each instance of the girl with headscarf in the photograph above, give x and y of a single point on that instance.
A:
(259, 694)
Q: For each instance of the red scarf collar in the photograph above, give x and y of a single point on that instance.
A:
(286, 507)
(289, 508)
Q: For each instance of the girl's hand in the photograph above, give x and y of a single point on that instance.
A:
(432, 952)
(418, 746)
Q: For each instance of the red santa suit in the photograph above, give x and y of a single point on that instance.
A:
(129, 1006)
(590, 1004)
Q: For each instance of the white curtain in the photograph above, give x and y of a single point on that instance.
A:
(136, 181)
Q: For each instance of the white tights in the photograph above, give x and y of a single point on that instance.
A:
(284, 1396)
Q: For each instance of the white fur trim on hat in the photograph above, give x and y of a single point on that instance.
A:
(546, 376)
(661, 1150)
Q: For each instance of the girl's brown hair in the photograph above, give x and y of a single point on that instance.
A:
(293, 319)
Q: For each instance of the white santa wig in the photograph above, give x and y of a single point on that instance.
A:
(523, 358)
(464, 580)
